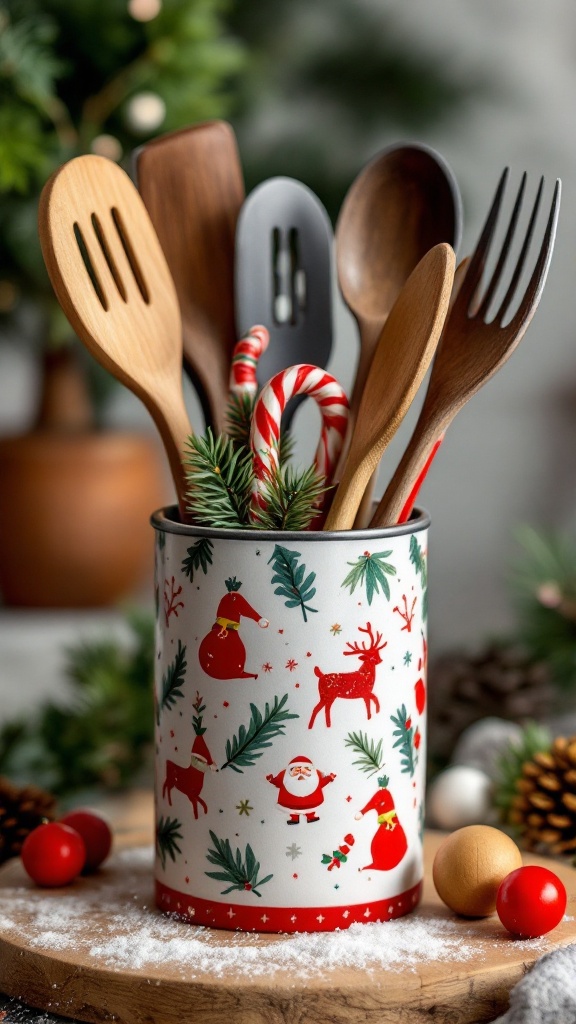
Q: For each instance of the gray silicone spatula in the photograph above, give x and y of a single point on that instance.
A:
(283, 276)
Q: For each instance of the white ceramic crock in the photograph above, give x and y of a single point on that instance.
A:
(290, 699)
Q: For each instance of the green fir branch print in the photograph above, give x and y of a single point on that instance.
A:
(404, 732)
(199, 557)
(242, 874)
(418, 559)
(249, 744)
(199, 707)
(370, 759)
(172, 681)
(293, 583)
(370, 570)
(167, 834)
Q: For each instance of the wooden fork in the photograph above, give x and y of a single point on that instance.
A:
(471, 349)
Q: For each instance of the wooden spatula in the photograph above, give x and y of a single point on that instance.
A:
(403, 353)
(191, 182)
(112, 281)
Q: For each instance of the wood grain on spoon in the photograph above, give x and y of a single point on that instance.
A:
(403, 203)
(191, 182)
(403, 353)
(113, 283)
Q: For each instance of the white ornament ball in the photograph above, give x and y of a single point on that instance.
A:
(108, 146)
(144, 10)
(460, 796)
(146, 112)
(483, 743)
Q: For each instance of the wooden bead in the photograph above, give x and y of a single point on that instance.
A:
(469, 867)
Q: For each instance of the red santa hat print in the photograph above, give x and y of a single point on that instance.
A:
(299, 760)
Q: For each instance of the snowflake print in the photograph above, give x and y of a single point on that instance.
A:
(407, 658)
(266, 667)
(293, 851)
(244, 808)
(336, 629)
(291, 664)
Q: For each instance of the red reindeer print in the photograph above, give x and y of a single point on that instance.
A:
(222, 653)
(389, 843)
(351, 685)
(189, 779)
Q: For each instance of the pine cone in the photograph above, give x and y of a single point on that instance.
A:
(21, 810)
(545, 807)
(502, 681)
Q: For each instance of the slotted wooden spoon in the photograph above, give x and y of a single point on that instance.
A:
(191, 182)
(403, 353)
(113, 283)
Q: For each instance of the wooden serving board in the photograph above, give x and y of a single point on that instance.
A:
(69, 976)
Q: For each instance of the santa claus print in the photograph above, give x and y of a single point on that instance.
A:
(301, 789)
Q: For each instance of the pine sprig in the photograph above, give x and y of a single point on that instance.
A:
(404, 732)
(535, 738)
(241, 873)
(370, 760)
(245, 748)
(293, 583)
(291, 498)
(239, 417)
(220, 477)
(167, 834)
(199, 557)
(418, 559)
(172, 681)
(370, 570)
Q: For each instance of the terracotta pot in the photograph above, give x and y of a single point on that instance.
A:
(61, 486)
(59, 495)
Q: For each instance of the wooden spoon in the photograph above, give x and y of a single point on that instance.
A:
(405, 201)
(113, 283)
(403, 353)
(191, 182)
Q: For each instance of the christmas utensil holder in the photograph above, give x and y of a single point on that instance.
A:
(290, 694)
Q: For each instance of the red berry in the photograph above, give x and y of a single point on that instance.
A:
(95, 832)
(53, 854)
(531, 901)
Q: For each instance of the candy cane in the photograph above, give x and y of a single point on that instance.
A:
(245, 358)
(302, 379)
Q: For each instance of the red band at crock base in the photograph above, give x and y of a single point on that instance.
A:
(282, 919)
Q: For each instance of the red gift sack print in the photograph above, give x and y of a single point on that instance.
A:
(222, 654)
(389, 843)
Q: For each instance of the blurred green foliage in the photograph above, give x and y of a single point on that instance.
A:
(69, 71)
(312, 89)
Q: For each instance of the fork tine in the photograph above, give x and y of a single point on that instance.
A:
(537, 281)
(478, 258)
(522, 257)
(497, 272)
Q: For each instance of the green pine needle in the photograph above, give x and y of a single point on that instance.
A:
(404, 732)
(199, 557)
(172, 681)
(534, 739)
(291, 497)
(245, 748)
(293, 580)
(241, 873)
(370, 570)
(167, 835)
(220, 477)
(370, 759)
(239, 417)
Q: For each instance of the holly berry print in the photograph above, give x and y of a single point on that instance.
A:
(222, 653)
(241, 871)
(284, 697)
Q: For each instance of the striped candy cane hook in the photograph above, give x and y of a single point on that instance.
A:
(245, 358)
(301, 379)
